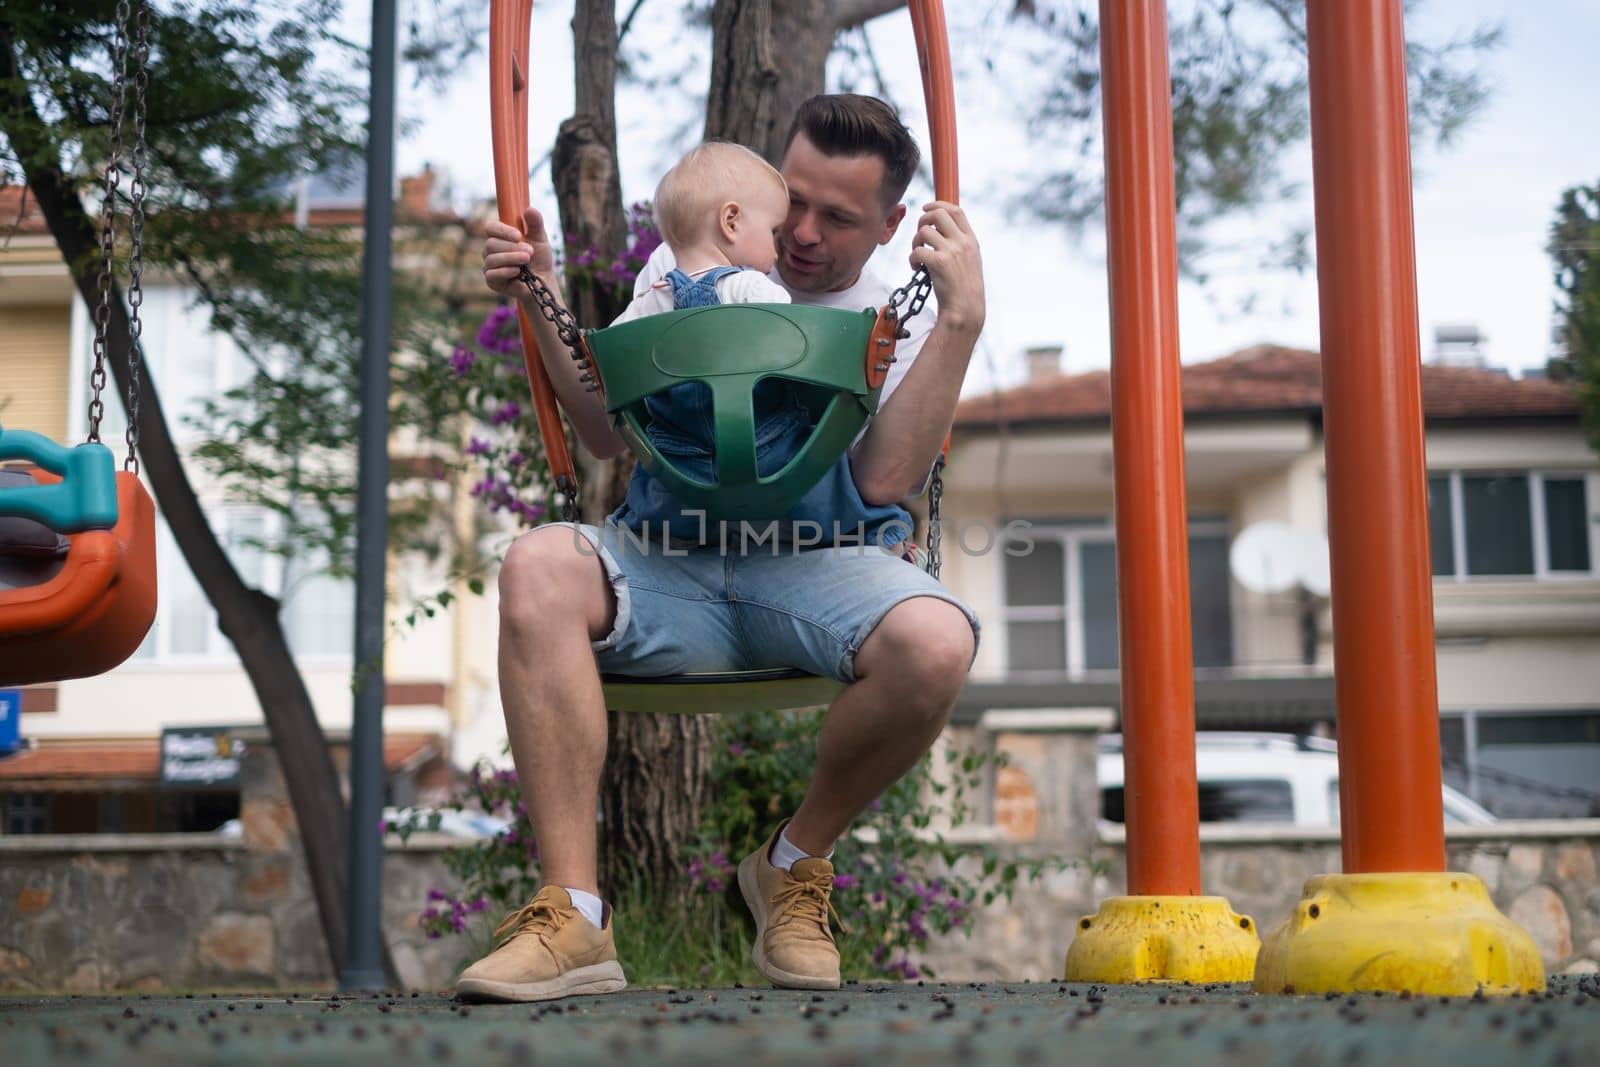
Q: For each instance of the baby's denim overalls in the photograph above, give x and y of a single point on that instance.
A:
(681, 427)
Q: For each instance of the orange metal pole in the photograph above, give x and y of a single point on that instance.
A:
(1389, 780)
(1162, 799)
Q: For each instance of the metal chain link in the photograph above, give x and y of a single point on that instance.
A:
(935, 535)
(136, 190)
(108, 218)
(571, 508)
(917, 291)
(566, 326)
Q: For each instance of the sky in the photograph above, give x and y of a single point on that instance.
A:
(1483, 205)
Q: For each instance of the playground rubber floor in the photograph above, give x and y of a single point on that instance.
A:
(865, 1025)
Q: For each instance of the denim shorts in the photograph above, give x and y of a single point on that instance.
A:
(683, 610)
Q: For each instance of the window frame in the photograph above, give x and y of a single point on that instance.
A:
(225, 520)
(1539, 531)
(1071, 534)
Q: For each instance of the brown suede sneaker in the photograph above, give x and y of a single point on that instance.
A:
(552, 951)
(794, 944)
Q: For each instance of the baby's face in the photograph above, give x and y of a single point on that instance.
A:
(755, 245)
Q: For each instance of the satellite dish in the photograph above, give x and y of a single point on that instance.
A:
(1315, 573)
(1266, 557)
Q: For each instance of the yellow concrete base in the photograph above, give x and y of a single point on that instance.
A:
(1427, 933)
(1163, 939)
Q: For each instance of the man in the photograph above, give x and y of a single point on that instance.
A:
(574, 606)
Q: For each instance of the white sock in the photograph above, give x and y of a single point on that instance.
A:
(785, 853)
(589, 906)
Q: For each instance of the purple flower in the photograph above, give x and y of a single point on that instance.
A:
(735, 749)
(435, 894)
(461, 361)
(477, 446)
(510, 411)
(845, 881)
(714, 885)
(516, 459)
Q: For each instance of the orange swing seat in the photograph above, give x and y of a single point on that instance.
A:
(92, 614)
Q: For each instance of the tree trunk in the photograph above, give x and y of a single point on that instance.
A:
(756, 85)
(248, 617)
(657, 766)
(767, 58)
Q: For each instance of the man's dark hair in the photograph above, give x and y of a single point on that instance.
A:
(846, 124)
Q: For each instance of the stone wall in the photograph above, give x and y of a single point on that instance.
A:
(196, 911)
(101, 912)
(164, 911)
(1543, 875)
(1046, 805)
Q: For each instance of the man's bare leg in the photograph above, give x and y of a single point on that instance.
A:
(554, 601)
(909, 672)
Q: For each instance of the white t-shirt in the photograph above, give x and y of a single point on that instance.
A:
(745, 287)
(869, 291)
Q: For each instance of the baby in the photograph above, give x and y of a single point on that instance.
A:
(719, 209)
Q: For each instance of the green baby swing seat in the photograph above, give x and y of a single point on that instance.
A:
(730, 349)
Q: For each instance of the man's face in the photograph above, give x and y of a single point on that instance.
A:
(836, 217)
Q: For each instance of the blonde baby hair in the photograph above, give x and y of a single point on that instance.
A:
(710, 175)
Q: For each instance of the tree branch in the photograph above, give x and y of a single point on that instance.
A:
(848, 14)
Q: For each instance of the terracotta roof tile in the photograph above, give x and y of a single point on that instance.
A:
(1269, 379)
(65, 763)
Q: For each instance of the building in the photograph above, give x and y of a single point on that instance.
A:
(1514, 495)
(92, 759)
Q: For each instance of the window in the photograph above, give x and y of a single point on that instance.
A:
(1247, 800)
(1525, 765)
(1510, 525)
(318, 610)
(1061, 598)
(1242, 800)
(28, 813)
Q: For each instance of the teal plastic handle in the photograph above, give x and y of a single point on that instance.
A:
(85, 498)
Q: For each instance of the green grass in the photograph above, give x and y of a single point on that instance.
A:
(697, 940)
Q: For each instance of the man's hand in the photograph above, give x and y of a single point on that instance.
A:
(945, 244)
(506, 251)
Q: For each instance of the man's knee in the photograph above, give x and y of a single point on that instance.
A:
(553, 577)
(927, 641)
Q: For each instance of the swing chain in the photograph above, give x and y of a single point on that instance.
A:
(567, 485)
(108, 217)
(917, 291)
(935, 495)
(566, 326)
(136, 191)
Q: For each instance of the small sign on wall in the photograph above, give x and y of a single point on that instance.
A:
(10, 720)
(200, 757)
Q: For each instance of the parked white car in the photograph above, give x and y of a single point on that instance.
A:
(451, 822)
(1264, 778)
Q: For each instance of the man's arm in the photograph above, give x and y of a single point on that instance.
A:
(891, 460)
(505, 252)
